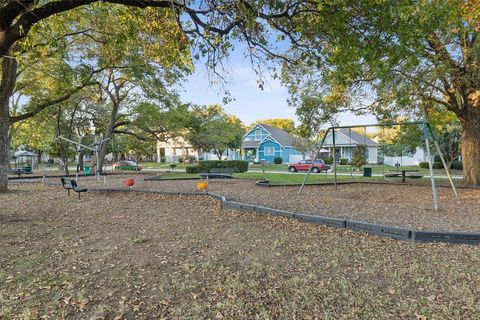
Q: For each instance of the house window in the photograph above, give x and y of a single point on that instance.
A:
(269, 151)
(258, 135)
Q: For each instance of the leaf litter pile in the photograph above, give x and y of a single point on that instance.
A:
(144, 256)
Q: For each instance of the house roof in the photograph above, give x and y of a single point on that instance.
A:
(281, 136)
(25, 154)
(357, 138)
(250, 143)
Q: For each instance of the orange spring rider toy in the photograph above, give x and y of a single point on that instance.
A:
(202, 186)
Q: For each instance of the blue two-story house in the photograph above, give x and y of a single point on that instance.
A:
(263, 143)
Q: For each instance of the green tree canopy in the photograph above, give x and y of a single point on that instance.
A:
(164, 26)
(285, 124)
(391, 58)
(214, 130)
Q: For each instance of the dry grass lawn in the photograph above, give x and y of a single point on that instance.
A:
(141, 256)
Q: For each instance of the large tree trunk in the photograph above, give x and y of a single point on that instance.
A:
(108, 134)
(471, 148)
(80, 161)
(7, 85)
(4, 144)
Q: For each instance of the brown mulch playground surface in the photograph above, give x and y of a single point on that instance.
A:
(394, 205)
(144, 256)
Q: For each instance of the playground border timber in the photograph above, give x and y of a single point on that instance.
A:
(404, 234)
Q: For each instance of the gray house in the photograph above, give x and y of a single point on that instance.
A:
(346, 140)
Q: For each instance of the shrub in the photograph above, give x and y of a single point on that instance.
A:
(437, 165)
(437, 159)
(163, 159)
(237, 165)
(423, 165)
(180, 159)
(191, 169)
(343, 161)
(358, 156)
(190, 159)
(457, 165)
(278, 160)
(328, 161)
(172, 165)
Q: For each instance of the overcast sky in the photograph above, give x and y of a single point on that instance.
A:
(250, 103)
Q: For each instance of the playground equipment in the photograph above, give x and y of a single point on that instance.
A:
(129, 182)
(95, 148)
(202, 186)
(336, 133)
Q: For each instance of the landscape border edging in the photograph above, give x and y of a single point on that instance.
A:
(472, 238)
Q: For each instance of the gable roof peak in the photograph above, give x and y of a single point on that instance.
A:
(281, 136)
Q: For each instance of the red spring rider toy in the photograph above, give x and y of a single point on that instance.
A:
(129, 182)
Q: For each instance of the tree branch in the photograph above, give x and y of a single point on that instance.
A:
(139, 137)
(50, 103)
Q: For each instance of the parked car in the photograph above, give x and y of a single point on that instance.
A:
(304, 165)
(126, 165)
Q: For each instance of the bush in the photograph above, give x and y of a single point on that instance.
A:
(163, 159)
(457, 165)
(423, 165)
(343, 161)
(358, 156)
(278, 160)
(191, 169)
(437, 159)
(180, 159)
(437, 165)
(328, 161)
(237, 165)
(190, 159)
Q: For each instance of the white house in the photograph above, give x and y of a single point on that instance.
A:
(407, 160)
(346, 140)
(176, 148)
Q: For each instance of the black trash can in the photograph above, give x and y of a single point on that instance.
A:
(367, 171)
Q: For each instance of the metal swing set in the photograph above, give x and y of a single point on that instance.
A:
(428, 136)
(95, 148)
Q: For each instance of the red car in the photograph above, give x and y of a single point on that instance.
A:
(126, 165)
(304, 165)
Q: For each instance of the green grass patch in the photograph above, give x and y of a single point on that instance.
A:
(288, 178)
(158, 165)
(297, 178)
(268, 167)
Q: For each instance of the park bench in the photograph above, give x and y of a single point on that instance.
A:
(414, 176)
(218, 173)
(71, 184)
(393, 175)
(20, 171)
(403, 174)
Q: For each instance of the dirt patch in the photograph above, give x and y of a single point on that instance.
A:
(395, 205)
(143, 256)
